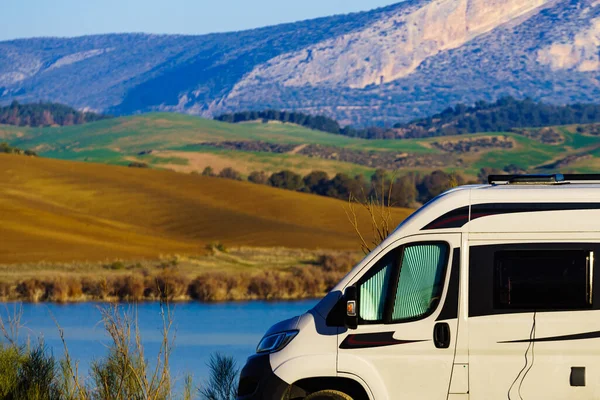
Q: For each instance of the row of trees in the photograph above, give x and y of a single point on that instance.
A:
(6, 148)
(318, 122)
(45, 114)
(405, 191)
(501, 116)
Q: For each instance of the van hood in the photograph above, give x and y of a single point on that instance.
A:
(286, 325)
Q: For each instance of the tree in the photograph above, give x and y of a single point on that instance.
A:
(230, 173)
(259, 177)
(403, 192)
(436, 183)
(208, 171)
(484, 172)
(44, 114)
(344, 187)
(286, 180)
(316, 182)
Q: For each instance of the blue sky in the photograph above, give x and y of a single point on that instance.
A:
(29, 18)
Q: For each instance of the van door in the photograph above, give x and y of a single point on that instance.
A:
(403, 347)
(534, 324)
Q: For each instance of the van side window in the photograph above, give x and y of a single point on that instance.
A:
(543, 279)
(421, 280)
(373, 291)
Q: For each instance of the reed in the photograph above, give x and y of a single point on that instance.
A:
(32, 373)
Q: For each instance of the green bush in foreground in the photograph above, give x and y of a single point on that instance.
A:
(28, 374)
(32, 373)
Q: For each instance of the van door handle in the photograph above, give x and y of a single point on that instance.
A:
(441, 335)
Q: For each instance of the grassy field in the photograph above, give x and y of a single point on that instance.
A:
(61, 211)
(168, 141)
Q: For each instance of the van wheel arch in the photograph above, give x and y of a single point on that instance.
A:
(304, 387)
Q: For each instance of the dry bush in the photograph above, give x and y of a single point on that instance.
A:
(125, 373)
(331, 279)
(337, 262)
(237, 286)
(31, 290)
(170, 285)
(75, 288)
(210, 287)
(57, 290)
(264, 285)
(95, 288)
(6, 290)
(131, 288)
(308, 279)
(115, 265)
(288, 286)
(218, 286)
(378, 206)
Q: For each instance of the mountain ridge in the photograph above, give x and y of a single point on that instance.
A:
(434, 53)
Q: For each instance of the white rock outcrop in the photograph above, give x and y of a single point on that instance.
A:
(581, 53)
(391, 48)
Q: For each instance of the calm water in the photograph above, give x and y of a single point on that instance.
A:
(201, 329)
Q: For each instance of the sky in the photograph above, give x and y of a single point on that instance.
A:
(30, 18)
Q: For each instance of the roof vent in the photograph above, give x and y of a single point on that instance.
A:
(551, 179)
(526, 179)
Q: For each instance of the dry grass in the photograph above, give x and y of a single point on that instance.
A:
(124, 373)
(55, 211)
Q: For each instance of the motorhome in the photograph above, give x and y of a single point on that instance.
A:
(486, 292)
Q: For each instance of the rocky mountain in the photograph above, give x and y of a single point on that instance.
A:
(383, 66)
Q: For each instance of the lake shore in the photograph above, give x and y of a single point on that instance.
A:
(238, 274)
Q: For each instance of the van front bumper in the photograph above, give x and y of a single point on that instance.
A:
(259, 382)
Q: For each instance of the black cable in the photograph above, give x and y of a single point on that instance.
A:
(531, 343)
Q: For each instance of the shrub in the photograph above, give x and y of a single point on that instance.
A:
(28, 374)
(5, 290)
(95, 288)
(265, 285)
(124, 373)
(209, 287)
(310, 280)
(137, 164)
(170, 285)
(208, 171)
(11, 357)
(37, 376)
(216, 246)
(286, 180)
(338, 262)
(75, 288)
(115, 265)
(223, 377)
(58, 290)
(32, 290)
(131, 288)
(230, 173)
(257, 177)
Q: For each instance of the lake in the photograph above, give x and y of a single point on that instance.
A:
(200, 329)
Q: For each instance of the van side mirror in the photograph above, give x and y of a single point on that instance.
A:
(351, 299)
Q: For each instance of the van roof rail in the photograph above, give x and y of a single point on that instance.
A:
(540, 179)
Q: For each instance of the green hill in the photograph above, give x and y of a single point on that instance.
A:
(189, 144)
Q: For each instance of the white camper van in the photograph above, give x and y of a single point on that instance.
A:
(486, 292)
